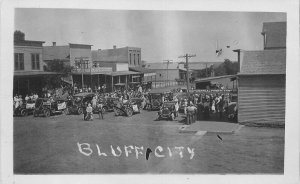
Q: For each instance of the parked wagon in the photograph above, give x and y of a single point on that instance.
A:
(155, 98)
(76, 105)
(167, 111)
(48, 107)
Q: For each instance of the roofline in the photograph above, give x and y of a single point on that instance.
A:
(278, 48)
(241, 74)
(80, 44)
(217, 77)
(29, 41)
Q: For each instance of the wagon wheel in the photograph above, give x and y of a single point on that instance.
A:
(79, 110)
(35, 114)
(24, 112)
(47, 112)
(129, 112)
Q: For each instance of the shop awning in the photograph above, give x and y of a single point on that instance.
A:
(33, 73)
(123, 73)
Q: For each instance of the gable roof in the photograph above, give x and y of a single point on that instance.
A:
(275, 33)
(263, 62)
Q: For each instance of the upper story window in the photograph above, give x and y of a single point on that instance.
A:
(134, 59)
(35, 61)
(130, 58)
(19, 61)
(138, 59)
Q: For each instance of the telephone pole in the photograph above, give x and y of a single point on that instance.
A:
(167, 62)
(187, 56)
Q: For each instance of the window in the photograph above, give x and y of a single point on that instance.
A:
(35, 61)
(130, 58)
(19, 61)
(138, 59)
(134, 59)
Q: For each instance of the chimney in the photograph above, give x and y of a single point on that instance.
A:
(53, 43)
(114, 46)
(239, 58)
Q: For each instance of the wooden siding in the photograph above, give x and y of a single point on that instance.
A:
(261, 98)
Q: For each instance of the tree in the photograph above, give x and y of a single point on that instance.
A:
(61, 68)
(19, 36)
(226, 68)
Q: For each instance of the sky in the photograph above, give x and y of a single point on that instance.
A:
(161, 35)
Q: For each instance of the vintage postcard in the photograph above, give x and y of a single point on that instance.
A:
(151, 92)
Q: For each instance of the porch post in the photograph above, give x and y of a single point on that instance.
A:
(126, 76)
(91, 82)
(18, 86)
(112, 83)
(28, 87)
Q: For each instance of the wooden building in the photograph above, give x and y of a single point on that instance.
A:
(261, 83)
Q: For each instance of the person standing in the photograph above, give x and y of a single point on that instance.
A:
(89, 111)
(84, 110)
(94, 102)
(185, 104)
(221, 104)
(100, 110)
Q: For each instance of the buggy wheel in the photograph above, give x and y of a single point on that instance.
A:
(24, 112)
(35, 114)
(79, 110)
(129, 112)
(47, 112)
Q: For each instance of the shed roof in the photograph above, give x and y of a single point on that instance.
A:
(263, 62)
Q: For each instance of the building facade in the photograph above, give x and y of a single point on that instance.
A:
(28, 67)
(131, 55)
(261, 81)
(76, 55)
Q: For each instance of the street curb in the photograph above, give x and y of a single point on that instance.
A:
(183, 129)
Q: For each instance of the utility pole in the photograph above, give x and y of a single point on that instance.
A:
(187, 56)
(168, 61)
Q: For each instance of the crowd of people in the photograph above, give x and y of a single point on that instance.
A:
(201, 105)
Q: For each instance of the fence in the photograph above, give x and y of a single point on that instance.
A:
(162, 84)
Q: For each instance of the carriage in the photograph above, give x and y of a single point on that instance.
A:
(48, 107)
(76, 105)
(167, 111)
(128, 108)
(155, 98)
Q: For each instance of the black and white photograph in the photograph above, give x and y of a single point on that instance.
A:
(108, 91)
